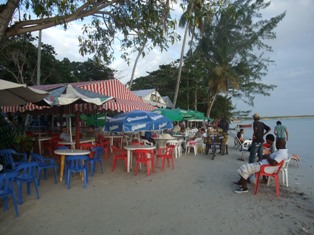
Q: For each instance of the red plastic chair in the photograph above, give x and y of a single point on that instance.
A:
(101, 141)
(270, 171)
(166, 153)
(118, 154)
(51, 145)
(144, 157)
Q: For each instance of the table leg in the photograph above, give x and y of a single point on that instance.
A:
(39, 147)
(128, 160)
(62, 160)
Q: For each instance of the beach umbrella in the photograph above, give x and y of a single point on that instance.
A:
(172, 114)
(67, 96)
(137, 120)
(18, 94)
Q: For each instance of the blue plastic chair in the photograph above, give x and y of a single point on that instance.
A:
(96, 156)
(76, 164)
(7, 189)
(26, 174)
(44, 164)
(8, 156)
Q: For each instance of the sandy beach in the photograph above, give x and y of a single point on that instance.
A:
(197, 197)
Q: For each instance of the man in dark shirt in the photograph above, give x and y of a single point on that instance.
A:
(224, 125)
(259, 130)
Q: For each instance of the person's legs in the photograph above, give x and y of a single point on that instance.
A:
(245, 171)
(260, 152)
(254, 148)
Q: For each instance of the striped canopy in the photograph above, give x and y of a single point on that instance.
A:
(124, 99)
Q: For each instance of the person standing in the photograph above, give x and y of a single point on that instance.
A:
(281, 131)
(259, 130)
(224, 125)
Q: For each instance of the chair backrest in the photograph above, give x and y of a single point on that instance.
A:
(76, 163)
(116, 151)
(98, 151)
(37, 157)
(270, 169)
(27, 169)
(8, 157)
(142, 154)
(245, 145)
(6, 182)
(86, 146)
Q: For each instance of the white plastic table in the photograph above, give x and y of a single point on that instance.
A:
(72, 144)
(68, 152)
(130, 148)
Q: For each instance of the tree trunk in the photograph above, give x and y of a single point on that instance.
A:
(210, 105)
(180, 67)
(135, 64)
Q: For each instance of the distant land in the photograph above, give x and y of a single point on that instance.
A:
(280, 117)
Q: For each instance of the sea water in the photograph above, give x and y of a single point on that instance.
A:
(300, 140)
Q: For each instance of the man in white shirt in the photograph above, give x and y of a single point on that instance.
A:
(273, 159)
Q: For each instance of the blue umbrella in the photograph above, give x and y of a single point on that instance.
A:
(138, 121)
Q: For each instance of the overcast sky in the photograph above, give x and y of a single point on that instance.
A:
(293, 72)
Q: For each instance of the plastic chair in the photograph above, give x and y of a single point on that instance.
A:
(166, 153)
(105, 144)
(86, 146)
(118, 154)
(44, 164)
(189, 145)
(7, 189)
(76, 164)
(244, 148)
(284, 173)
(8, 156)
(270, 171)
(144, 157)
(51, 145)
(94, 157)
(26, 174)
(177, 149)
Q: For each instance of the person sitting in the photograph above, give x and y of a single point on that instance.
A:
(91, 133)
(64, 135)
(249, 169)
(270, 145)
(240, 135)
(176, 128)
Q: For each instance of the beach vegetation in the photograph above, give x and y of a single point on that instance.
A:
(232, 54)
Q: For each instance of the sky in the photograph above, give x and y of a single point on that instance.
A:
(293, 53)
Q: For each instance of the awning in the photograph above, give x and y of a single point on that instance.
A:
(124, 99)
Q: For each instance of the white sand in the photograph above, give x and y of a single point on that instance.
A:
(195, 198)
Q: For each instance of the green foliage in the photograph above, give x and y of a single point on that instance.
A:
(6, 133)
(18, 63)
(233, 48)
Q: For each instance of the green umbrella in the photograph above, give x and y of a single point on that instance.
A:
(185, 113)
(172, 114)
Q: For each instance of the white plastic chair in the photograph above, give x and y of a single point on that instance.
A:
(195, 145)
(284, 173)
(191, 144)
(177, 144)
(244, 147)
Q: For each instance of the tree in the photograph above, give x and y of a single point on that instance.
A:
(197, 11)
(107, 22)
(234, 51)
(18, 60)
